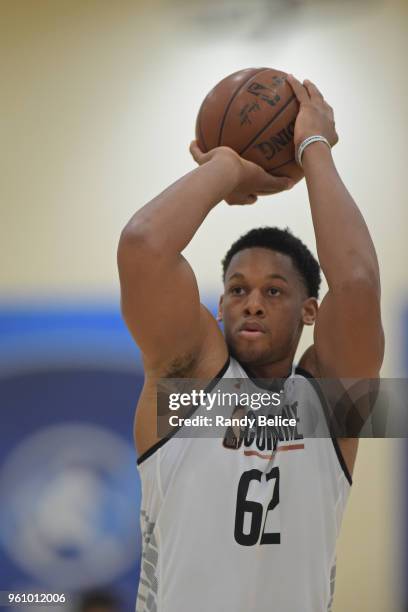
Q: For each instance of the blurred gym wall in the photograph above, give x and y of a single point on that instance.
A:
(98, 107)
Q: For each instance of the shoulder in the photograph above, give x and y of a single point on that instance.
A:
(346, 448)
(309, 362)
(151, 430)
(210, 361)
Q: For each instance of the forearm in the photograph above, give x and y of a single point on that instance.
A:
(344, 245)
(170, 220)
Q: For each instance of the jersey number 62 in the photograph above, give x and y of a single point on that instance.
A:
(255, 509)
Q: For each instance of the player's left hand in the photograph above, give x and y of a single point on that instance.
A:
(315, 115)
(253, 181)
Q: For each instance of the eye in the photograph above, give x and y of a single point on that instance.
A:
(236, 290)
(274, 291)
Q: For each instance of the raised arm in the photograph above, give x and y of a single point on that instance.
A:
(348, 338)
(160, 298)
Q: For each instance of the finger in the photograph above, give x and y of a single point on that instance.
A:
(274, 184)
(313, 91)
(298, 89)
(242, 200)
(196, 152)
(270, 192)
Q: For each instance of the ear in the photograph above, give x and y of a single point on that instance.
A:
(220, 308)
(310, 308)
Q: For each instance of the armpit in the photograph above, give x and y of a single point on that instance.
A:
(181, 367)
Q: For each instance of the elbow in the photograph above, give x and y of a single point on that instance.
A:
(361, 279)
(134, 234)
(135, 243)
(366, 278)
(363, 291)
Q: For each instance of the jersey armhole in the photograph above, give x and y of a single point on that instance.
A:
(334, 440)
(150, 451)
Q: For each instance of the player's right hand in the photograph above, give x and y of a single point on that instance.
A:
(252, 181)
(315, 114)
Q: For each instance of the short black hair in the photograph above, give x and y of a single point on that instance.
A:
(282, 241)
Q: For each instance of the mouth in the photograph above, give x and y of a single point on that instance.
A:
(251, 330)
(251, 334)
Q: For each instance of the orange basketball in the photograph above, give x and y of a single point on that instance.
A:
(253, 111)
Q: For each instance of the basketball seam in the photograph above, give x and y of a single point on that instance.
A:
(280, 111)
(200, 131)
(234, 95)
(292, 159)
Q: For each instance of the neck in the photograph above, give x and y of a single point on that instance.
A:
(277, 369)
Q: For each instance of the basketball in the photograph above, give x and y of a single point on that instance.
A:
(253, 111)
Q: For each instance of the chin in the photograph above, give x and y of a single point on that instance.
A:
(250, 356)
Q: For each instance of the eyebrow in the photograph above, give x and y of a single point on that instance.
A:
(242, 276)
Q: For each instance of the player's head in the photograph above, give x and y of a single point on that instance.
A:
(271, 286)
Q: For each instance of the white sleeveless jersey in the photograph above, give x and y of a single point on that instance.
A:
(244, 527)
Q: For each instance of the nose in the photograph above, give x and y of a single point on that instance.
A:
(254, 305)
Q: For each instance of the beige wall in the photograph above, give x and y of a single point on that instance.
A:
(98, 106)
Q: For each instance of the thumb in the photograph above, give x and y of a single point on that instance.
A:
(241, 200)
(273, 184)
(196, 152)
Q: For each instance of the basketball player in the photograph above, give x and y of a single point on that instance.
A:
(234, 528)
